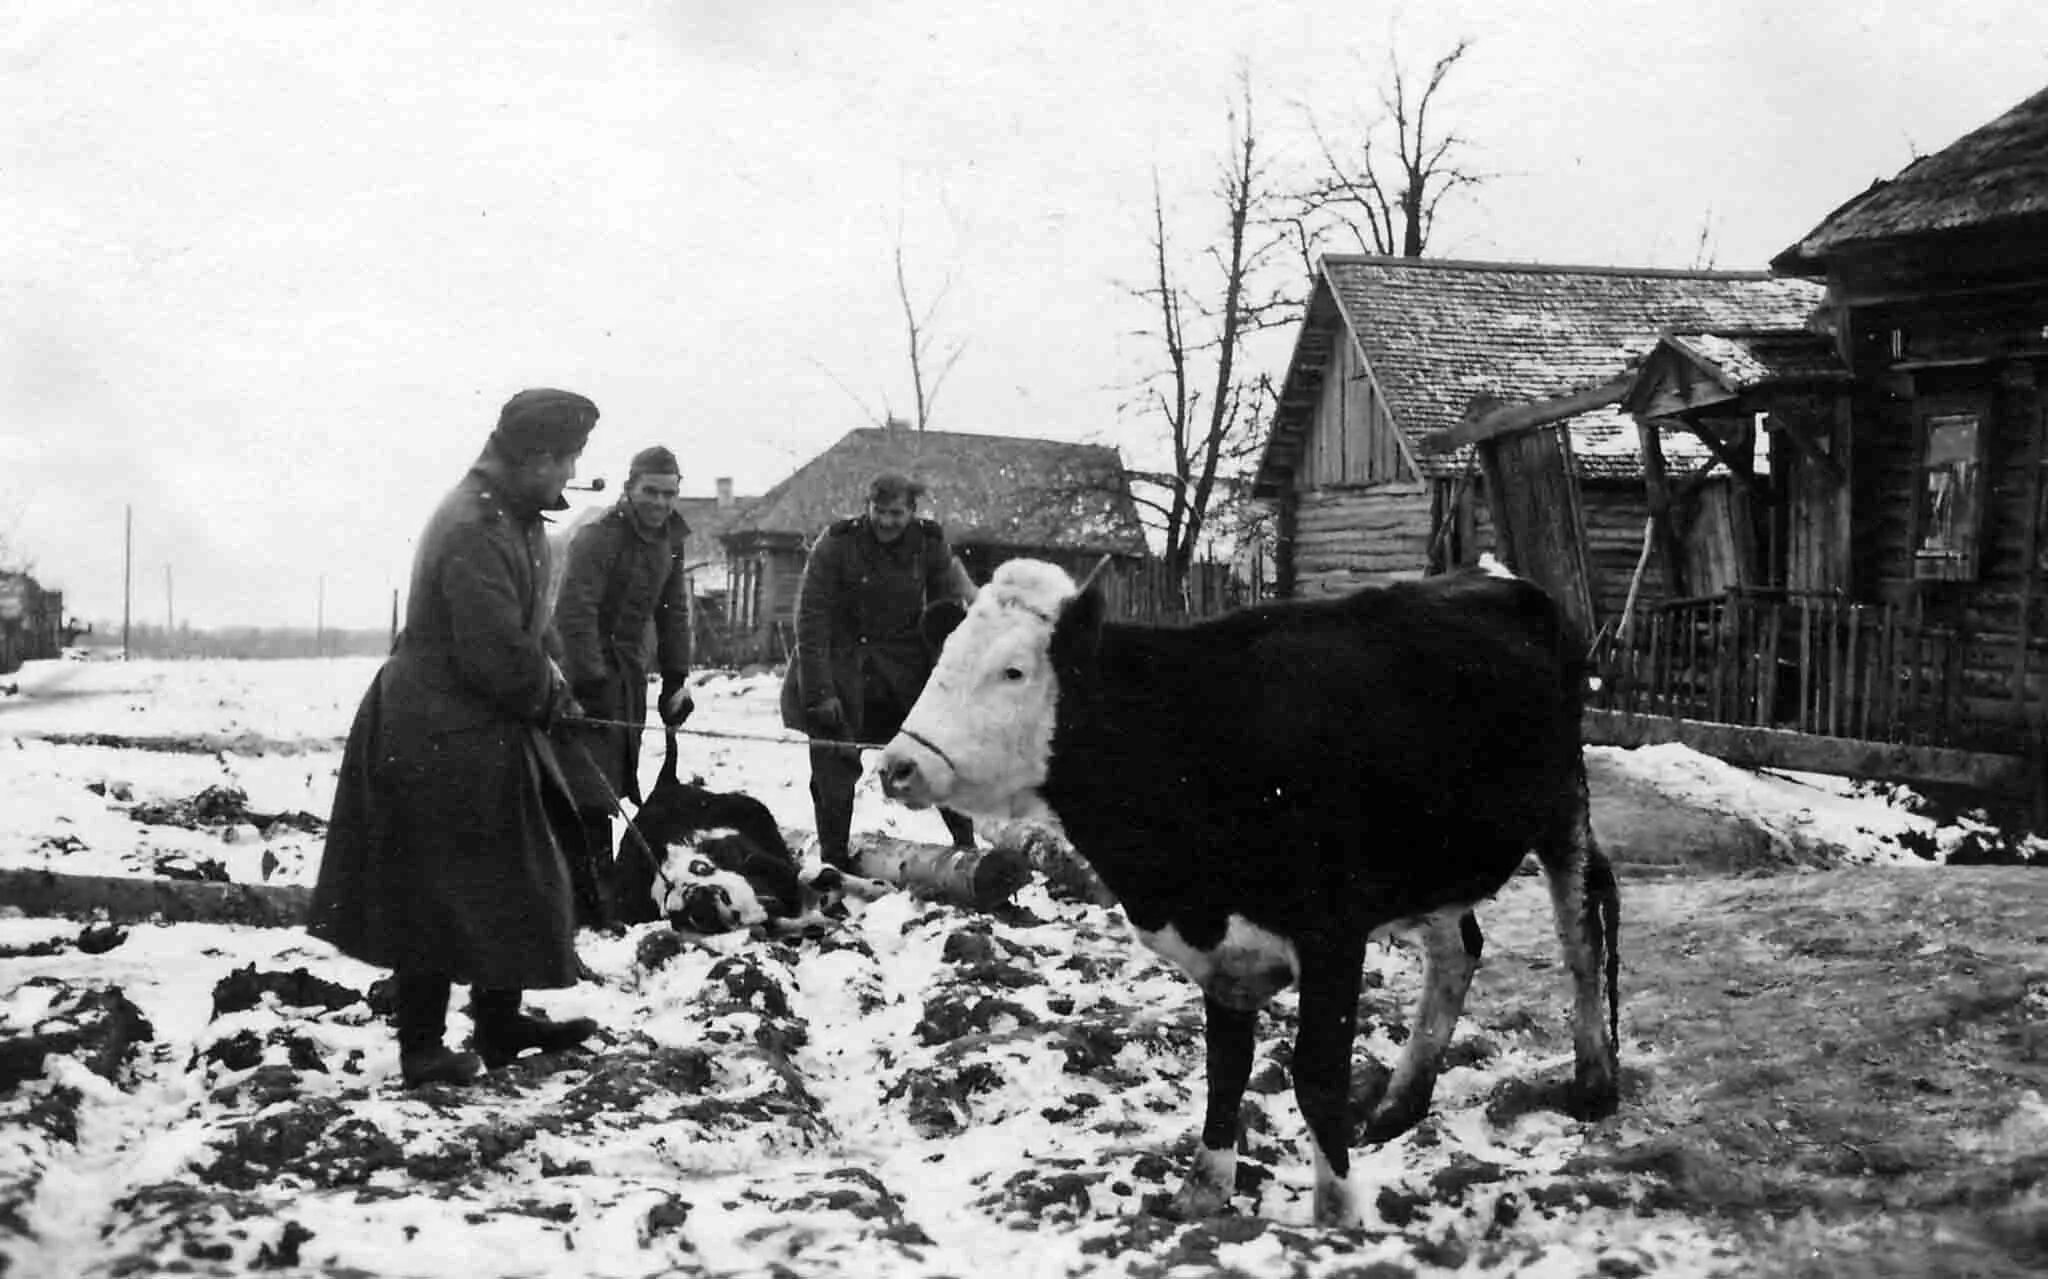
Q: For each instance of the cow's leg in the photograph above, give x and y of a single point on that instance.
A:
(1588, 909)
(1213, 1179)
(1451, 942)
(1322, 1069)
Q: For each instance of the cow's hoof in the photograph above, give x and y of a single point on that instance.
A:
(1595, 1094)
(1197, 1199)
(1335, 1205)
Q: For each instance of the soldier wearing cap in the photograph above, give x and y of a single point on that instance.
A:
(861, 659)
(444, 855)
(625, 585)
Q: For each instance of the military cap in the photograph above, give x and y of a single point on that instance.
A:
(545, 420)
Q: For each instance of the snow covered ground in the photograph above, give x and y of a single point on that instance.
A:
(925, 1091)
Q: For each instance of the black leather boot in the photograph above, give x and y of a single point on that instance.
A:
(422, 1015)
(503, 1032)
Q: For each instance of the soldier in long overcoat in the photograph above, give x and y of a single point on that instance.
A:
(861, 660)
(625, 571)
(444, 856)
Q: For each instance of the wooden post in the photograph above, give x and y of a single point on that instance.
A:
(1537, 516)
(127, 572)
(1657, 489)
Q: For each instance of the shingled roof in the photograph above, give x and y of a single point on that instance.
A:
(1750, 359)
(1992, 178)
(1003, 489)
(1438, 334)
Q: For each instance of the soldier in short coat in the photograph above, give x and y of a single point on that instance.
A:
(625, 578)
(443, 857)
(861, 660)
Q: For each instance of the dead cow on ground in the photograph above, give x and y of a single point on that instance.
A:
(1265, 791)
(724, 863)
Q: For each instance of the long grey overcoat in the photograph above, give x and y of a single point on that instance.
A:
(443, 854)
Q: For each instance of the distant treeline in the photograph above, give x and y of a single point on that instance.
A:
(256, 642)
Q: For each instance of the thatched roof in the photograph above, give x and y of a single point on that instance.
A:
(1992, 178)
(1002, 490)
(1440, 334)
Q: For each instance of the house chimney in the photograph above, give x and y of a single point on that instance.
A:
(894, 423)
(724, 484)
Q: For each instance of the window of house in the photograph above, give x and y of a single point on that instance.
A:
(1950, 498)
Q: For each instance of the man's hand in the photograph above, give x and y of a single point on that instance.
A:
(828, 719)
(676, 702)
(562, 705)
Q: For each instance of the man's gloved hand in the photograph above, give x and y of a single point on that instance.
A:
(828, 719)
(676, 701)
(562, 705)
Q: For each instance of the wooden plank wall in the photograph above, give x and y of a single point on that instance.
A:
(1351, 537)
(1350, 438)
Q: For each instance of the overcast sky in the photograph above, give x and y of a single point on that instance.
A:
(268, 270)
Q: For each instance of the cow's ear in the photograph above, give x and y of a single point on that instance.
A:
(940, 619)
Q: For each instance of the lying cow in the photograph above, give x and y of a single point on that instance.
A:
(724, 864)
(1266, 791)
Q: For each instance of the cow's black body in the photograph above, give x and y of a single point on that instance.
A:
(1304, 775)
(1320, 768)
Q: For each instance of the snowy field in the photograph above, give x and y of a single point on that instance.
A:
(925, 1091)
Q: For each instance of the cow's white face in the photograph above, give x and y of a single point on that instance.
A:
(980, 737)
(694, 893)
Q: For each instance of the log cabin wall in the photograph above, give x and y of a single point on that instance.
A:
(1986, 632)
(1615, 511)
(1345, 538)
(1357, 513)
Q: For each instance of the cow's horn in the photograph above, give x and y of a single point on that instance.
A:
(1093, 573)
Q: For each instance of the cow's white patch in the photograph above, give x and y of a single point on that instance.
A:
(1244, 970)
(1493, 567)
(695, 890)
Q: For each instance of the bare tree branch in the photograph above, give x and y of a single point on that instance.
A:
(1389, 205)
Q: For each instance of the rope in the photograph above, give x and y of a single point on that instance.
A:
(591, 721)
(619, 811)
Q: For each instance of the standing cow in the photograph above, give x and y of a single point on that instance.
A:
(1266, 791)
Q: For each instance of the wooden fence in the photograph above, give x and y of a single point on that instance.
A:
(1814, 663)
(1145, 591)
(1134, 590)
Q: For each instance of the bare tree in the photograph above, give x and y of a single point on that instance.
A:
(931, 360)
(1387, 203)
(925, 358)
(1209, 408)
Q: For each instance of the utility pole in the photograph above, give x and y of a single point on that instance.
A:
(127, 570)
(320, 620)
(394, 620)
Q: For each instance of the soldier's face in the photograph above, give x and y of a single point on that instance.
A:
(889, 519)
(547, 473)
(653, 498)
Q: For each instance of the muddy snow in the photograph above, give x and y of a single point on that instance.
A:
(1834, 1062)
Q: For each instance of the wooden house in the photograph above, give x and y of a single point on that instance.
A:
(1898, 609)
(999, 497)
(32, 626)
(1394, 352)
